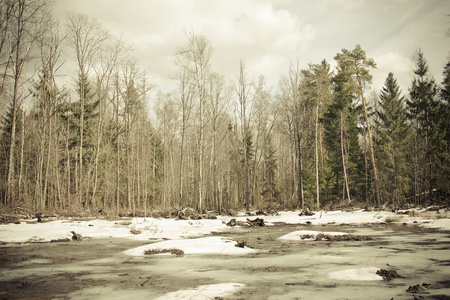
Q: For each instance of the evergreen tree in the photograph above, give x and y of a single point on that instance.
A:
(423, 108)
(392, 141)
(357, 66)
(344, 99)
(70, 113)
(5, 138)
(441, 135)
(270, 191)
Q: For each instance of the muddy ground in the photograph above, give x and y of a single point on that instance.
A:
(98, 268)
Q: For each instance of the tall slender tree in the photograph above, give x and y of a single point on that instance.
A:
(358, 65)
(87, 37)
(317, 85)
(422, 110)
(392, 136)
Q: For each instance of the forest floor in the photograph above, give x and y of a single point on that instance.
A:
(331, 255)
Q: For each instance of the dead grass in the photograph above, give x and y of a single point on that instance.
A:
(160, 251)
(390, 220)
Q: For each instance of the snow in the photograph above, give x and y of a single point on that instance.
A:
(308, 235)
(212, 291)
(156, 229)
(216, 259)
(163, 229)
(207, 245)
(362, 274)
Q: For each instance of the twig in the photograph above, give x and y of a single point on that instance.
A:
(148, 278)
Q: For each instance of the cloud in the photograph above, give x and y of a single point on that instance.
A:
(396, 63)
(264, 36)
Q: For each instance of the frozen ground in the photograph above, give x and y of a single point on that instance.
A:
(276, 262)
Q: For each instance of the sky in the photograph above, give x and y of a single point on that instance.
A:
(270, 35)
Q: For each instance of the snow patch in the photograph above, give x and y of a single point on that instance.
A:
(207, 245)
(362, 274)
(212, 291)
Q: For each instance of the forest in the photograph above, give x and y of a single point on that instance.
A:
(96, 143)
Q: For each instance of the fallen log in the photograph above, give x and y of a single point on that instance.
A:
(388, 275)
(256, 222)
(232, 223)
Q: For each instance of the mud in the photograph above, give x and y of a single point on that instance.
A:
(283, 269)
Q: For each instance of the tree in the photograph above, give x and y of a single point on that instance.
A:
(356, 63)
(341, 139)
(87, 37)
(441, 134)
(195, 56)
(219, 99)
(186, 94)
(392, 136)
(245, 94)
(422, 111)
(317, 86)
(24, 31)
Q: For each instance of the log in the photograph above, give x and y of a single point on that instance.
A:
(256, 222)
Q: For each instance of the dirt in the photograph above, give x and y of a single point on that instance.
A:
(97, 268)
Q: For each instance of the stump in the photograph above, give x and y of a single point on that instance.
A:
(76, 236)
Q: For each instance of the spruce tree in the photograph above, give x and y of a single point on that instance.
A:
(423, 107)
(392, 141)
(441, 135)
(345, 151)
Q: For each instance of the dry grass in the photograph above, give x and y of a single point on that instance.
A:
(160, 251)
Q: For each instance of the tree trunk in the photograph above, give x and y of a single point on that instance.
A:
(343, 160)
(369, 136)
(317, 158)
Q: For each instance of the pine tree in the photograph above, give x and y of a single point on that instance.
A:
(357, 66)
(392, 141)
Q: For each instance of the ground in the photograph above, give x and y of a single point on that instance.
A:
(276, 261)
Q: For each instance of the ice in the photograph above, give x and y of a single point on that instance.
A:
(211, 291)
(362, 274)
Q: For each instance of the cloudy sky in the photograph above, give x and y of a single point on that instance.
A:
(268, 35)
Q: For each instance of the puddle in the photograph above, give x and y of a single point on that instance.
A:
(280, 269)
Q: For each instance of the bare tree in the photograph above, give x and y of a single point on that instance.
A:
(87, 37)
(25, 30)
(196, 56)
(245, 93)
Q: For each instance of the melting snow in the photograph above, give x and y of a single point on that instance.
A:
(207, 245)
(159, 229)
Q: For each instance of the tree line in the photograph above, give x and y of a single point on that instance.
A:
(320, 140)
